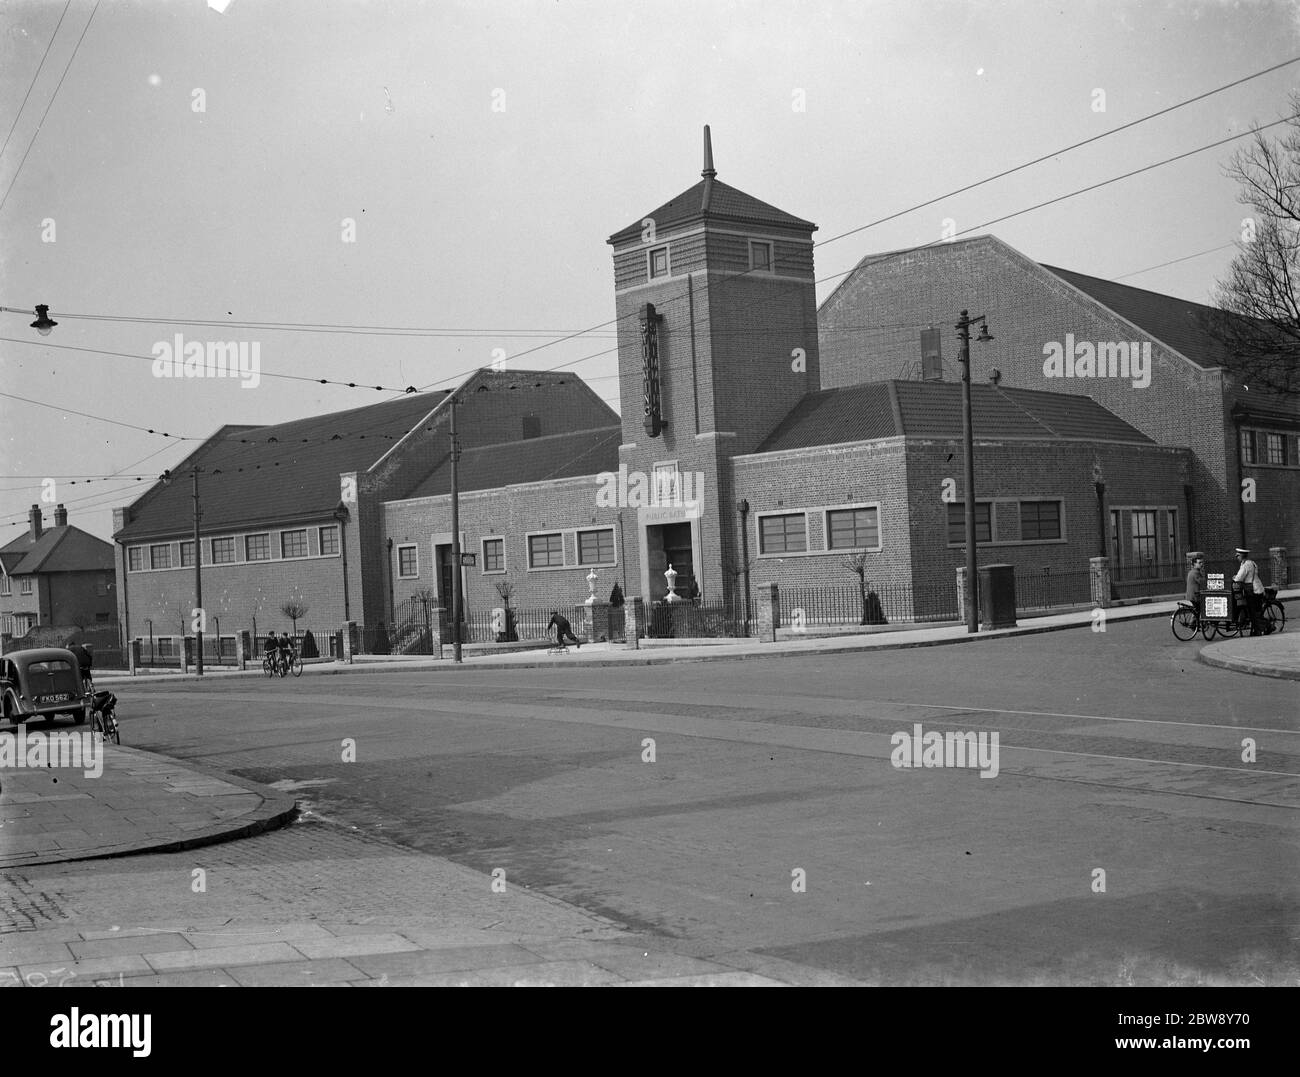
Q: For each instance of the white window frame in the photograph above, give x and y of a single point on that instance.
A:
(135, 551)
(6, 585)
(826, 528)
(24, 585)
(234, 551)
(306, 542)
(320, 540)
(650, 273)
(771, 256)
(528, 550)
(483, 555)
(248, 558)
(181, 553)
(578, 532)
(758, 532)
(408, 546)
(994, 502)
(160, 546)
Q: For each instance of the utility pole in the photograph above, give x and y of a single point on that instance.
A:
(198, 584)
(455, 535)
(968, 451)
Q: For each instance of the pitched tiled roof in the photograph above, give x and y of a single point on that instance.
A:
(1176, 322)
(558, 456)
(244, 481)
(725, 204)
(932, 409)
(64, 548)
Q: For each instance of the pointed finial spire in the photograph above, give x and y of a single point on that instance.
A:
(709, 171)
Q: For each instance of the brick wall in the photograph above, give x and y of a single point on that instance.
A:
(1026, 307)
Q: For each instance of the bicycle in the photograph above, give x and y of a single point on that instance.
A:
(103, 717)
(1185, 622)
(292, 665)
(268, 664)
(1273, 613)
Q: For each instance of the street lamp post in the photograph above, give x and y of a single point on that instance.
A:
(43, 324)
(968, 448)
(455, 535)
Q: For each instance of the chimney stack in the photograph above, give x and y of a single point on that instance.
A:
(60, 517)
(35, 520)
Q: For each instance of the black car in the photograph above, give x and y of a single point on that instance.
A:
(42, 683)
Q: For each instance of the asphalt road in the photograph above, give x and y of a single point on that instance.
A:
(1123, 840)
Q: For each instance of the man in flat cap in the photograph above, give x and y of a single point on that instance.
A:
(1252, 591)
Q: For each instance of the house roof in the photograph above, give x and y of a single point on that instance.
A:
(724, 203)
(64, 548)
(287, 470)
(1179, 323)
(557, 456)
(933, 409)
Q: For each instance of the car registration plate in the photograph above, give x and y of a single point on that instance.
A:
(54, 697)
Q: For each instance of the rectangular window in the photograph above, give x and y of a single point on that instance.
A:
(659, 262)
(1143, 528)
(783, 534)
(25, 586)
(957, 523)
(1040, 520)
(329, 541)
(760, 256)
(293, 543)
(165, 649)
(494, 555)
(223, 551)
(1248, 446)
(187, 554)
(545, 551)
(1274, 449)
(596, 547)
(135, 559)
(667, 483)
(852, 529)
(1171, 536)
(257, 548)
(6, 586)
(160, 556)
(408, 562)
(1116, 548)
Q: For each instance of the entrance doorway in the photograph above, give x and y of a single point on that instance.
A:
(670, 544)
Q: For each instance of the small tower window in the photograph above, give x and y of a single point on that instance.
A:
(760, 256)
(659, 262)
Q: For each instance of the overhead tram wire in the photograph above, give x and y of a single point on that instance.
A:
(325, 327)
(35, 78)
(67, 67)
(1060, 152)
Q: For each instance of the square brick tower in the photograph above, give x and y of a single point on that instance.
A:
(717, 341)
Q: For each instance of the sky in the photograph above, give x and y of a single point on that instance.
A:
(172, 165)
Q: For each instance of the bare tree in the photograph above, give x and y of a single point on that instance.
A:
(1258, 316)
(293, 609)
(872, 614)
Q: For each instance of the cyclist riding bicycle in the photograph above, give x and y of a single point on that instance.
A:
(85, 656)
(286, 650)
(272, 647)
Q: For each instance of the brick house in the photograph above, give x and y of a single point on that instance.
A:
(799, 444)
(296, 511)
(55, 576)
(759, 439)
(1192, 397)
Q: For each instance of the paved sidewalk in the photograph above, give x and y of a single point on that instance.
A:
(143, 803)
(663, 652)
(122, 802)
(1277, 655)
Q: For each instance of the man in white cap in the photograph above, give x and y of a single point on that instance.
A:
(1252, 591)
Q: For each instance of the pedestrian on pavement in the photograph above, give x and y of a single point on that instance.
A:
(1252, 591)
(1195, 579)
(563, 629)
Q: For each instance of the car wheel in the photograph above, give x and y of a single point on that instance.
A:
(10, 711)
